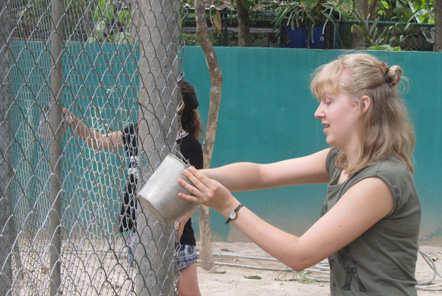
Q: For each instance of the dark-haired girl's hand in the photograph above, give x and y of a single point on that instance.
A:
(68, 116)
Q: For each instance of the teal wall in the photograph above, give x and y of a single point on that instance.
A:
(95, 79)
(266, 114)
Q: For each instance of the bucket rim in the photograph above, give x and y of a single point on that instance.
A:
(179, 159)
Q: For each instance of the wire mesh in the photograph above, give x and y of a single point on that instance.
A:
(111, 64)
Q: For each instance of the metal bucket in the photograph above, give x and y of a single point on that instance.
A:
(160, 193)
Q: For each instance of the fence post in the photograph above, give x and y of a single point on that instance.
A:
(55, 145)
(6, 224)
(156, 29)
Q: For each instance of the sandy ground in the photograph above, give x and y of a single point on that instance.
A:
(242, 269)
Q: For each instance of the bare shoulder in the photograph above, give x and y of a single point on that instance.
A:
(370, 190)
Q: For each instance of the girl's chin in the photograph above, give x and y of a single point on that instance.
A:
(329, 141)
(332, 143)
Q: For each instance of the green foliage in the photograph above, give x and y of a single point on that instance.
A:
(249, 4)
(402, 16)
(34, 17)
(292, 14)
(405, 11)
(111, 23)
(307, 12)
(372, 33)
(104, 11)
(124, 17)
(341, 8)
(385, 47)
(191, 39)
(391, 24)
(424, 10)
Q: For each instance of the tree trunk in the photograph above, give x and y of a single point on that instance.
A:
(216, 79)
(243, 25)
(437, 25)
(372, 9)
(358, 39)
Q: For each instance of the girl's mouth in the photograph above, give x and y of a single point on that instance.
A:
(326, 126)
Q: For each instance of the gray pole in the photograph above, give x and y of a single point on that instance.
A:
(55, 146)
(156, 30)
(6, 224)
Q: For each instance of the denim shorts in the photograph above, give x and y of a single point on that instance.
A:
(186, 256)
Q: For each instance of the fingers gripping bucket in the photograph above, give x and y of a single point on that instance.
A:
(160, 194)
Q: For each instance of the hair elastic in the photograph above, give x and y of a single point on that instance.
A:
(386, 75)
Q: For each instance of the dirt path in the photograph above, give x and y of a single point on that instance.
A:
(240, 274)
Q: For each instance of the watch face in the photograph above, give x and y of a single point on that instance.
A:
(232, 215)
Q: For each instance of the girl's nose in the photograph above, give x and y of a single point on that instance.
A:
(319, 113)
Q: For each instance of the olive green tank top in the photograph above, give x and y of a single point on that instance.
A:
(382, 261)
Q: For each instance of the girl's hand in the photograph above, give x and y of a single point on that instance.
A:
(68, 117)
(207, 191)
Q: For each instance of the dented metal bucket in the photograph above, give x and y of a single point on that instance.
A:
(160, 194)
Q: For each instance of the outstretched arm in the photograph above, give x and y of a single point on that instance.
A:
(246, 176)
(94, 139)
(361, 207)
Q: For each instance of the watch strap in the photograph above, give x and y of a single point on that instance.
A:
(236, 211)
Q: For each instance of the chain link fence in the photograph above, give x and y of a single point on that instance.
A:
(111, 63)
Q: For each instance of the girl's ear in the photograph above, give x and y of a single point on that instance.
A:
(365, 104)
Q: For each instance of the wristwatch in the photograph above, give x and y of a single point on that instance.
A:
(234, 214)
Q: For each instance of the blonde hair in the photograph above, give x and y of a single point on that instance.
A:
(385, 130)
